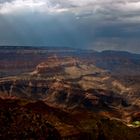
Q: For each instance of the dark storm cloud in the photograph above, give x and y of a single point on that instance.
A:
(92, 24)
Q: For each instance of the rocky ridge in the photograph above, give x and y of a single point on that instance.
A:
(70, 83)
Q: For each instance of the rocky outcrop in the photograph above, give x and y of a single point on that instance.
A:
(24, 119)
(18, 122)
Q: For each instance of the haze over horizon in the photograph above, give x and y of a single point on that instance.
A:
(91, 24)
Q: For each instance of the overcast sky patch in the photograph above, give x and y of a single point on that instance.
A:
(75, 23)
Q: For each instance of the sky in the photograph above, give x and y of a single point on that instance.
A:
(88, 24)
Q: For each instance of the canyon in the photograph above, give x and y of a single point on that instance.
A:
(81, 94)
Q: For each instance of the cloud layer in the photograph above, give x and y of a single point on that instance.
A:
(96, 24)
(118, 10)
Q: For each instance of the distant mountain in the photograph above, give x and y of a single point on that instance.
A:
(23, 59)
